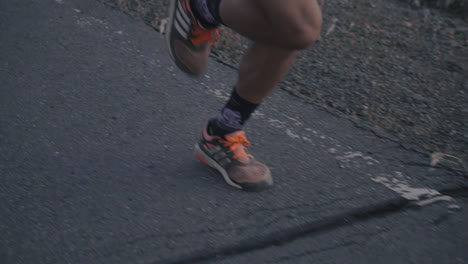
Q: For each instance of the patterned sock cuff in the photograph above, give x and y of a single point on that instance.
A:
(245, 108)
(203, 13)
(213, 6)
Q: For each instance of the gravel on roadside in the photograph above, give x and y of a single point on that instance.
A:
(400, 71)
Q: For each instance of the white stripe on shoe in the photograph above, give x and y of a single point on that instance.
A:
(184, 15)
(215, 165)
(180, 30)
(182, 22)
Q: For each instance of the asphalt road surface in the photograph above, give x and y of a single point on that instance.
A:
(97, 128)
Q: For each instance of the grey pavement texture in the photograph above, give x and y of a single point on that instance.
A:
(97, 128)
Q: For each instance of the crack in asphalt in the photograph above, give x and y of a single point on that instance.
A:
(287, 212)
(455, 191)
(291, 234)
(311, 252)
(350, 240)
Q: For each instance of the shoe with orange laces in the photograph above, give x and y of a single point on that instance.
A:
(188, 42)
(229, 156)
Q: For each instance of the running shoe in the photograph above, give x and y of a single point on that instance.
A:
(229, 156)
(188, 41)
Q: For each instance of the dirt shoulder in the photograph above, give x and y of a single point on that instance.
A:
(399, 71)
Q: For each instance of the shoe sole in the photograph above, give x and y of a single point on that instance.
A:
(169, 27)
(254, 187)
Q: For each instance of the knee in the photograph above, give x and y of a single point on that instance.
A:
(300, 30)
(305, 23)
(297, 24)
(304, 35)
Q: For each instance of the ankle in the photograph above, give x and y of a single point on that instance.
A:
(244, 107)
(216, 128)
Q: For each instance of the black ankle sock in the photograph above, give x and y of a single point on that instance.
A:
(244, 107)
(213, 6)
(207, 12)
(233, 116)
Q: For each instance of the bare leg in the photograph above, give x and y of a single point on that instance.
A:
(290, 24)
(279, 28)
(262, 67)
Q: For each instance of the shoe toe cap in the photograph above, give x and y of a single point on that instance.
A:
(255, 177)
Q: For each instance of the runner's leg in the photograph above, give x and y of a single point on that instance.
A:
(261, 68)
(279, 28)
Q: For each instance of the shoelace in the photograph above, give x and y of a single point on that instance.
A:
(201, 35)
(237, 145)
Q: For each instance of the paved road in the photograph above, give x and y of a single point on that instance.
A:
(97, 129)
